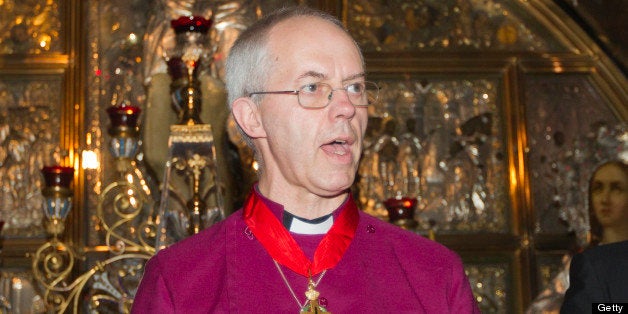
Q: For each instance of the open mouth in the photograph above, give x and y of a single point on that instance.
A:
(337, 147)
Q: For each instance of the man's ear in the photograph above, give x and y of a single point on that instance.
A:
(247, 115)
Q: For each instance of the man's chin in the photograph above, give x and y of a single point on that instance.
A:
(331, 191)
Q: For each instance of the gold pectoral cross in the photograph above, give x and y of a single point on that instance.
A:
(312, 305)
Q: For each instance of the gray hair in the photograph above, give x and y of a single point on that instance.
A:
(247, 65)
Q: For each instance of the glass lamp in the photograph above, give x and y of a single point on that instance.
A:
(124, 130)
(57, 197)
(401, 211)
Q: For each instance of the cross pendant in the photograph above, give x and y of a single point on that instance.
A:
(312, 306)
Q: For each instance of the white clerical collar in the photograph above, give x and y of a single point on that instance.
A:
(304, 226)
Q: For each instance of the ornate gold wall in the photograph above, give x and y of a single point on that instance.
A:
(506, 106)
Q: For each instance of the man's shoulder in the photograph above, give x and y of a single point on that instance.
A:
(409, 244)
(199, 246)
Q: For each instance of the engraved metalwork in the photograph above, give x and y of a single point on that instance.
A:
(437, 25)
(490, 285)
(192, 164)
(564, 148)
(192, 198)
(52, 265)
(29, 109)
(441, 143)
(125, 214)
(32, 26)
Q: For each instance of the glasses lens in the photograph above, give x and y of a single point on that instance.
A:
(356, 93)
(315, 95)
(318, 95)
(363, 93)
(372, 93)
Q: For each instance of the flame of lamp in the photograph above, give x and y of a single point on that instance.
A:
(57, 196)
(124, 130)
(401, 211)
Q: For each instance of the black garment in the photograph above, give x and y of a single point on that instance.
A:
(597, 275)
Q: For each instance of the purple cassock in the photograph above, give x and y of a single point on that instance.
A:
(224, 269)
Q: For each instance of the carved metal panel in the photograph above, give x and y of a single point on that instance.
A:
(30, 109)
(437, 25)
(492, 284)
(568, 136)
(30, 26)
(444, 139)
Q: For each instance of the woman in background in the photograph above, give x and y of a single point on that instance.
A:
(608, 219)
(600, 274)
(608, 198)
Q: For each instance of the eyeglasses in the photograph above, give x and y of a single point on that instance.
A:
(318, 95)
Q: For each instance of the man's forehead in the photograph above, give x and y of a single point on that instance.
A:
(301, 25)
(300, 21)
(322, 76)
(302, 46)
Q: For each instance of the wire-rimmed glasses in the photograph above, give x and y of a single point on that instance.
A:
(318, 95)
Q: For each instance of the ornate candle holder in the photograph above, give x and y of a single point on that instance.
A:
(54, 260)
(184, 66)
(124, 212)
(191, 198)
(124, 206)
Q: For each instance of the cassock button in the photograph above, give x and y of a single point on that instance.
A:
(370, 229)
(248, 233)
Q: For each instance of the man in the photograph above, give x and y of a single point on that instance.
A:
(297, 89)
(598, 275)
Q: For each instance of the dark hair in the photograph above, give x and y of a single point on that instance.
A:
(596, 229)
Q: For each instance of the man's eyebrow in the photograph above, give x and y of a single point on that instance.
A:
(322, 76)
(355, 76)
(313, 74)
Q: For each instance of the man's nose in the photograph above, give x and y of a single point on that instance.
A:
(341, 103)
